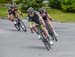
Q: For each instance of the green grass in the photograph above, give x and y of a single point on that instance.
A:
(3, 11)
(60, 16)
(56, 14)
(24, 15)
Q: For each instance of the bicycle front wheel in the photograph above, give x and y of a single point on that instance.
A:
(22, 25)
(46, 42)
(47, 45)
(17, 26)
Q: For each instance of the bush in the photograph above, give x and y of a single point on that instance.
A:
(65, 5)
(5, 1)
(36, 4)
(68, 5)
(55, 4)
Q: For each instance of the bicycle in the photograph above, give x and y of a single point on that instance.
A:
(50, 31)
(20, 25)
(44, 38)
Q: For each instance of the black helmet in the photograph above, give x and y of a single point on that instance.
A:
(41, 10)
(30, 9)
(12, 6)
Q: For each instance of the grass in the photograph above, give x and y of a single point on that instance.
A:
(3, 11)
(56, 14)
(61, 16)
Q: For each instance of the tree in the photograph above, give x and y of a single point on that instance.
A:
(4, 1)
(68, 5)
(54, 3)
(65, 5)
(29, 3)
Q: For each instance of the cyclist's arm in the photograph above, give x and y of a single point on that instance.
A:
(17, 13)
(49, 17)
(41, 19)
(20, 13)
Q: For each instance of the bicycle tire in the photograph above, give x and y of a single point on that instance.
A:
(47, 45)
(22, 25)
(44, 39)
(46, 42)
(17, 26)
(51, 33)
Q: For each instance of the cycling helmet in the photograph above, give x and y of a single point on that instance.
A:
(41, 10)
(12, 6)
(30, 9)
(16, 8)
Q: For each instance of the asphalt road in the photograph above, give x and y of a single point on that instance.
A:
(15, 43)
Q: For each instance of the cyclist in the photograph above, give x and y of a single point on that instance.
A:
(47, 19)
(36, 19)
(13, 13)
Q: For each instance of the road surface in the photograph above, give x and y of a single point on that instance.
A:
(15, 43)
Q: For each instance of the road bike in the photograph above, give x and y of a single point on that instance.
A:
(20, 25)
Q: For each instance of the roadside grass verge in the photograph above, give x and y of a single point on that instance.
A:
(3, 11)
(56, 14)
(61, 16)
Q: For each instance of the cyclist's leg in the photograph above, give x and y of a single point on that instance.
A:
(35, 28)
(46, 33)
(52, 27)
(32, 26)
(11, 17)
(44, 30)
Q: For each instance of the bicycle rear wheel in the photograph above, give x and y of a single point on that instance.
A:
(50, 31)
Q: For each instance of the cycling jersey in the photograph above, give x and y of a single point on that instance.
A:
(34, 18)
(10, 12)
(45, 16)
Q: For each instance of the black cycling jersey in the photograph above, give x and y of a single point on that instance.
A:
(11, 12)
(45, 16)
(34, 18)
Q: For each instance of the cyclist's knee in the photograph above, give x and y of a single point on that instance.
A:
(44, 29)
(34, 27)
(10, 18)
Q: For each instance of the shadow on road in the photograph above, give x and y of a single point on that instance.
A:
(15, 30)
(12, 30)
(36, 47)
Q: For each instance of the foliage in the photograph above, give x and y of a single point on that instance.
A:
(68, 5)
(4, 1)
(54, 3)
(25, 4)
(65, 5)
(61, 16)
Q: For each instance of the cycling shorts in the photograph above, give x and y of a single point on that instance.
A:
(33, 24)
